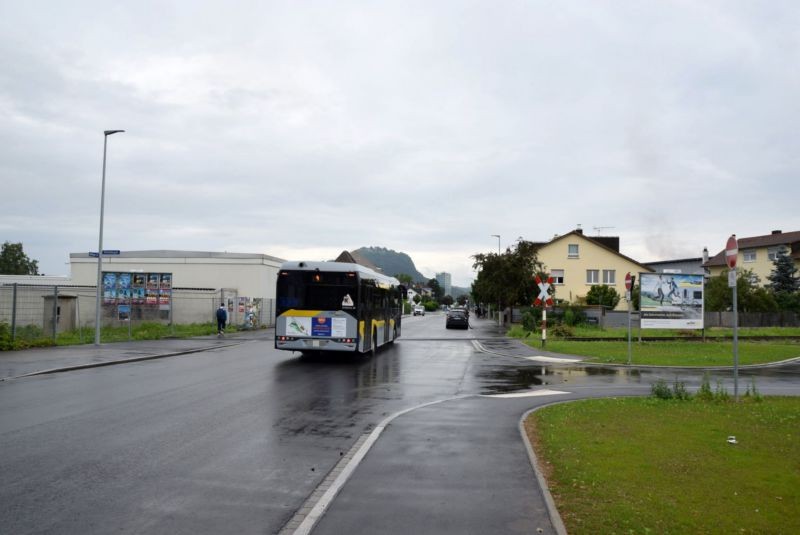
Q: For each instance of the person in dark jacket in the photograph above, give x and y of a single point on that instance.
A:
(222, 319)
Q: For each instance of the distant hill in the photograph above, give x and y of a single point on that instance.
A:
(391, 262)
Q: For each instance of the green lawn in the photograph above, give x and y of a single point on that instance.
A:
(645, 465)
(668, 353)
(35, 337)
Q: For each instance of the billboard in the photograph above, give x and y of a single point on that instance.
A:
(671, 301)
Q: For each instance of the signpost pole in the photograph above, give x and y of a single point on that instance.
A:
(735, 339)
(544, 323)
(731, 254)
(628, 285)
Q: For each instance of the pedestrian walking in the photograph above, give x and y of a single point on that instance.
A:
(222, 319)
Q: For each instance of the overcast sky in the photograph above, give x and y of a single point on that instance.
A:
(300, 129)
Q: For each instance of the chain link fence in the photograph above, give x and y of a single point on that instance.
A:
(44, 312)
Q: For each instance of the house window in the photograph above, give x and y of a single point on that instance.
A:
(749, 256)
(610, 277)
(592, 276)
(558, 276)
(572, 250)
(772, 252)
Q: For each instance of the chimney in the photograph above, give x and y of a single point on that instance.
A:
(705, 255)
(579, 230)
(774, 232)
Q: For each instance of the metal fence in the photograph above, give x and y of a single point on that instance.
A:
(31, 312)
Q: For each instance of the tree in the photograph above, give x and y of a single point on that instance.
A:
(404, 279)
(447, 300)
(784, 283)
(436, 290)
(14, 261)
(602, 294)
(508, 278)
(749, 296)
(783, 278)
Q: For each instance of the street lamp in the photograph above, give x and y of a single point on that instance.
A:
(499, 314)
(498, 241)
(106, 133)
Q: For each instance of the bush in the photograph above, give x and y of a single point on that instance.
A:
(660, 390)
(705, 393)
(562, 331)
(529, 320)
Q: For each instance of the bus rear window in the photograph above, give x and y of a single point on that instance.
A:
(315, 290)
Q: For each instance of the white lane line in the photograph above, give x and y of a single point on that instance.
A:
(542, 358)
(528, 394)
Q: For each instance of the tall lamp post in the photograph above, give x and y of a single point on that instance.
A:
(499, 315)
(106, 133)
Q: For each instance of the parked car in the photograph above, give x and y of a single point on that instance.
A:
(457, 317)
(419, 310)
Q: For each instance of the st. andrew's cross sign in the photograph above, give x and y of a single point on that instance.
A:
(543, 295)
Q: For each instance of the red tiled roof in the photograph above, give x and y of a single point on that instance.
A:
(789, 239)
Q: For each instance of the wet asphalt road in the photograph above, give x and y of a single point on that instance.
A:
(235, 439)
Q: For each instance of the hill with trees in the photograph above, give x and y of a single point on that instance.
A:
(392, 262)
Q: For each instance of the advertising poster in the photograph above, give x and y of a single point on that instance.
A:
(151, 296)
(339, 328)
(321, 327)
(137, 295)
(163, 299)
(138, 280)
(298, 326)
(153, 281)
(123, 312)
(671, 301)
(166, 281)
(109, 288)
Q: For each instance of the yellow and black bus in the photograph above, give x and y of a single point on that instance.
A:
(336, 306)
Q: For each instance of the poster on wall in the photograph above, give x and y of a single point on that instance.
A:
(152, 289)
(109, 288)
(671, 301)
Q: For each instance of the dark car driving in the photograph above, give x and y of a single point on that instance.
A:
(457, 317)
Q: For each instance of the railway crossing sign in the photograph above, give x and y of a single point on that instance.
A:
(543, 295)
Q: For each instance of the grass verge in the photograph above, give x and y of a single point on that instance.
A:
(646, 465)
(710, 353)
(29, 337)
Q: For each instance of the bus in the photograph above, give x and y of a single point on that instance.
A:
(336, 306)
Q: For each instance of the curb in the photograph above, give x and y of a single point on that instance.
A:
(552, 510)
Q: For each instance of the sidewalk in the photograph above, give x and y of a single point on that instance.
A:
(47, 359)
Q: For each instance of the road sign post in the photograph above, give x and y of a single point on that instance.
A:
(545, 300)
(628, 285)
(731, 254)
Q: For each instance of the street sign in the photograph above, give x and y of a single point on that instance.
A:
(543, 295)
(110, 251)
(731, 251)
(628, 282)
(94, 255)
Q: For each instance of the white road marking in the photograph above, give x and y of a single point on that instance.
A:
(528, 394)
(542, 358)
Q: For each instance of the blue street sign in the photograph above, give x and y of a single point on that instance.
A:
(94, 255)
(111, 251)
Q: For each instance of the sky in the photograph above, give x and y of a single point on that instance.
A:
(301, 129)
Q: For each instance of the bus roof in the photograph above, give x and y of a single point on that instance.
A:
(343, 267)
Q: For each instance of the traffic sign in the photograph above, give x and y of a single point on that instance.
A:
(543, 295)
(628, 282)
(731, 251)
